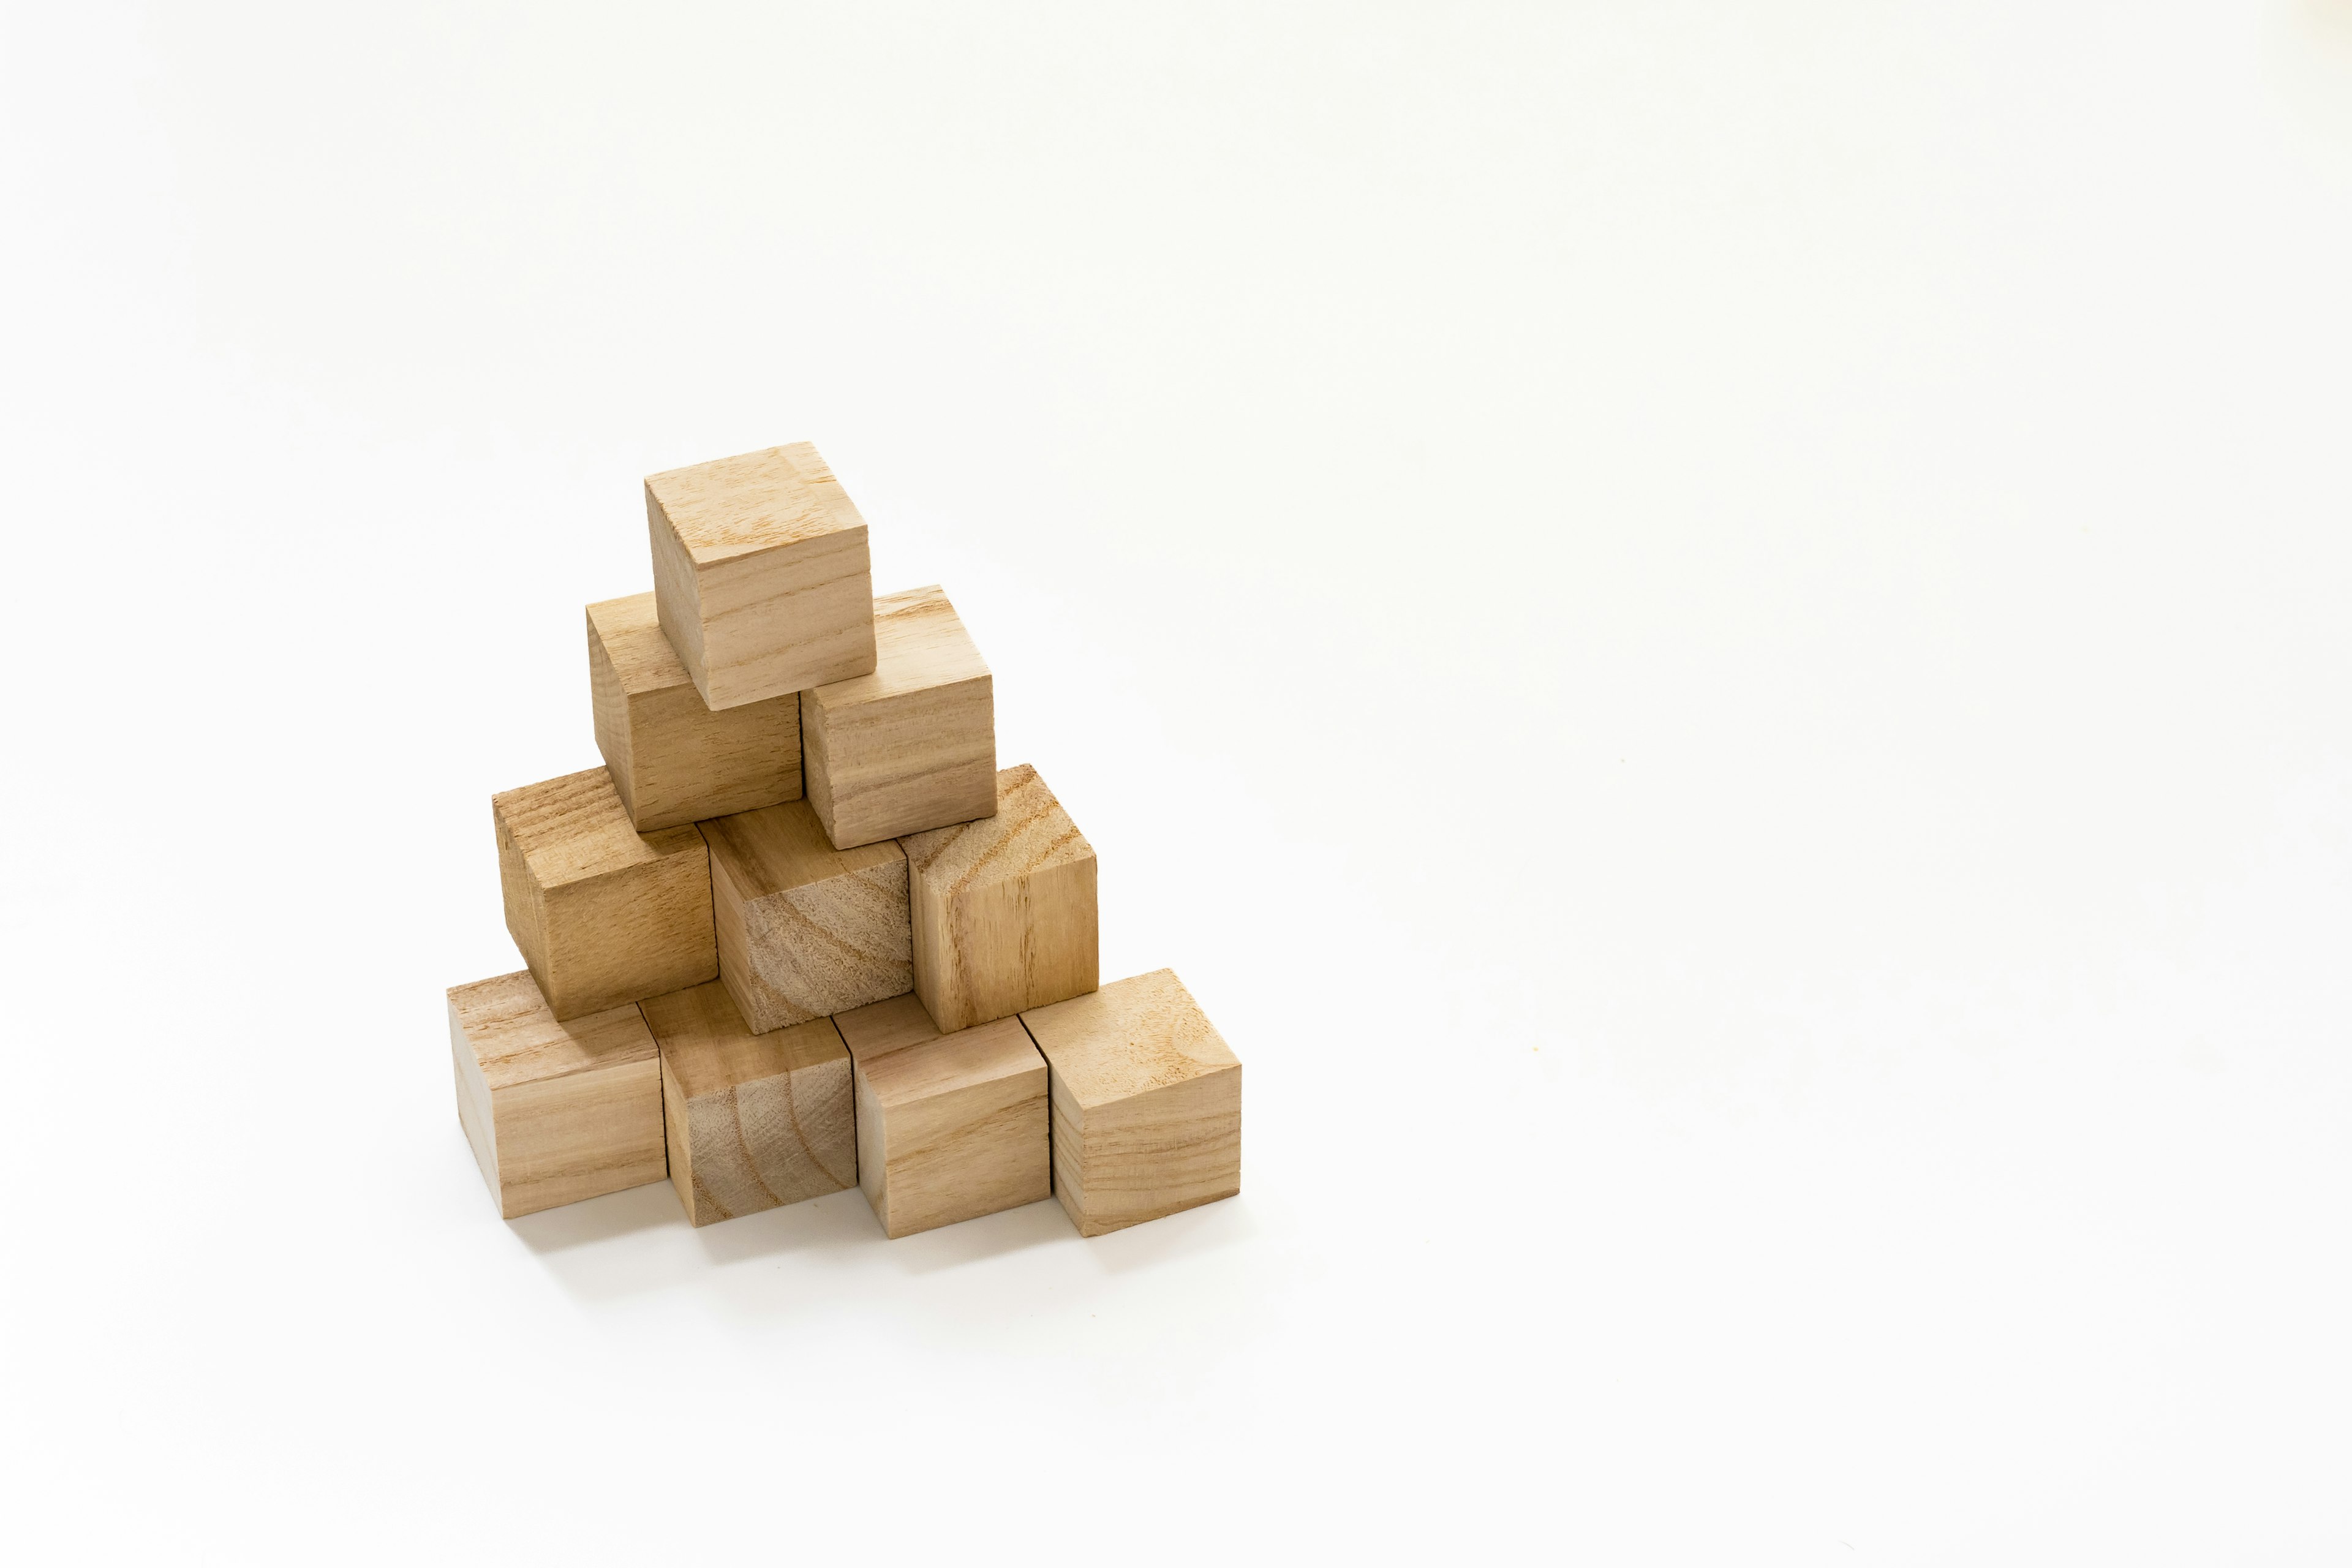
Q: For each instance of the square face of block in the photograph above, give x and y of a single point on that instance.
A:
(760, 574)
(603, 913)
(673, 761)
(950, 1127)
(913, 745)
(806, 930)
(556, 1111)
(1146, 1103)
(755, 1122)
(1004, 908)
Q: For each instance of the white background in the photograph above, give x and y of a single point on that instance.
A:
(1714, 635)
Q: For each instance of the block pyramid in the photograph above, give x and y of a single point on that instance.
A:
(800, 932)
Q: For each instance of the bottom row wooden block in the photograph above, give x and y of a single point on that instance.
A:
(1125, 1103)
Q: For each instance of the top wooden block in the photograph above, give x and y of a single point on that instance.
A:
(761, 574)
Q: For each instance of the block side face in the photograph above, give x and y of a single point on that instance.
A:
(1068, 1119)
(816, 766)
(1019, 943)
(872, 1136)
(677, 1141)
(909, 765)
(474, 1111)
(609, 706)
(1131, 1037)
(524, 901)
(579, 1137)
(800, 1128)
(515, 1038)
(1169, 1149)
(632, 934)
(968, 1152)
(690, 763)
(677, 595)
(786, 619)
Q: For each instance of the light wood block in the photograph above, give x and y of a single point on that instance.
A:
(760, 574)
(603, 913)
(672, 759)
(806, 930)
(556, 1111)
(913, 745)
(1004, 908)
(950, 1127)
(755, 1122)
(1146, 1103)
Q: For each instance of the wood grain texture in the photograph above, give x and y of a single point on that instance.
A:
(806, 930)
(1004, 908)
(762, 576)
(603, 913)
(911, 746)
(673, 761)
(556, 1111)
(753, 1121)
(950, 1127)
(1146, 1103)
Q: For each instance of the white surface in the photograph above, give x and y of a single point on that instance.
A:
(1714, 634)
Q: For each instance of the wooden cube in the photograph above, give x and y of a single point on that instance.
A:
(806, 930)
(603, 913)
(760, 574)
(913, 745)
(556, 1111)
(1146, 1103)
(950, 1127)
(1004, 908)
(755, 1122)
(672, 759)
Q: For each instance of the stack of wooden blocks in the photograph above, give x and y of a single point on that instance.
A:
(800, 932)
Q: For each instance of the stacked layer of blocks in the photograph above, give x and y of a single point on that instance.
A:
(800, 932)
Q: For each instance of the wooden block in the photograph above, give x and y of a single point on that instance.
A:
(806, 930)
(913, 745)
(673, 760)
(950, 1127)
(755, 1122)
(603, 913)
(1146, 1103)
(1004, 908)
(556, 1111)
(760, 574)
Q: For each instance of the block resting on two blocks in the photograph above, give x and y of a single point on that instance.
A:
(801, 934)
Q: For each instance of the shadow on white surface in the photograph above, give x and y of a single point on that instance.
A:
(599, 1219)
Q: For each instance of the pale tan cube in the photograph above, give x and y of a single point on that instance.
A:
(556, 1111)
(911, 746)
(603, 913)
(950, 1127)
(1004, 908)
(806, 930)
(755, 1122)
(673, 760)
(760, 574)
(1146, 1103)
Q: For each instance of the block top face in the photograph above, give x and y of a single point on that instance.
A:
(779, 847)
(576, 827)
(1030, 832)
(919, 645)
(904, 1058)
(1128, 1038)
(630, 631)
(708, 1048)
(761, 500)
(517, 1040)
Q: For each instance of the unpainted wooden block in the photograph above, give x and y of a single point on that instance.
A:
(806, 930)
(603, 913)
(950, 1127)
(760, 574)
(1146, 1103)
(1004, 908)
(673, 760)
(911, 746)
(755, 1122)
(557, 1110)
